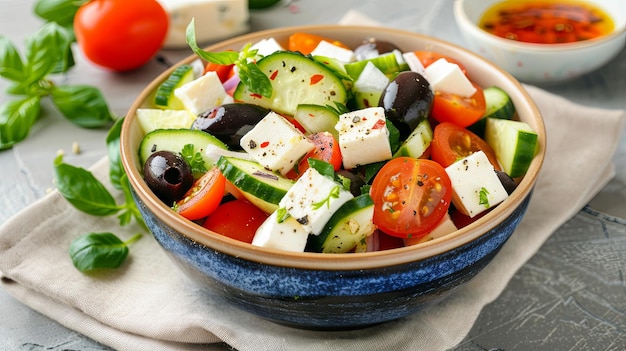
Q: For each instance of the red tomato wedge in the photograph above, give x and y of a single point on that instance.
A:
(237, 219)
(306, 42)
(451, 143)
(463, 111)
(326, 149)
(411, 196)
(223, 71)
(203, 197)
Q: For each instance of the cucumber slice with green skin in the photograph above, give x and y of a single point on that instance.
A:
(164, 97)
(175, 139)
(296, 79)
(417, 142)
(350, 224)
(387, 63)
(261, 187)
(316, 118)
(498, 105)
(514, 142)
(338, 68)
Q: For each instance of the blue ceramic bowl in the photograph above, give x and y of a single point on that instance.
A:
(337, 291)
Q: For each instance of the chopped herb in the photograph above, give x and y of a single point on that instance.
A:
(193, 158)
(483, 197)
(334, 193)
(282, 215)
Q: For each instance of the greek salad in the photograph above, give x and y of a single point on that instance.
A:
(311, 145)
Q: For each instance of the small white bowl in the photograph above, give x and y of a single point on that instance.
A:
(542, 63)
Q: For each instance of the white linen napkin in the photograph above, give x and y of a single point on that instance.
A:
(148, 304)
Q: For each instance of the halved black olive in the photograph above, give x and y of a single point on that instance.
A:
(168, 176)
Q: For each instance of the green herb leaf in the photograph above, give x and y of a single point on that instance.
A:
(99, 250)
(323, 167)
(16, 119)
(60, 11)
(194, 159)
(81, 189)
(249, 73)
(116, 170)
(11, 65)
(82, 104)
(48, 51)
(483, 197)
(282, 214)
(334, 194)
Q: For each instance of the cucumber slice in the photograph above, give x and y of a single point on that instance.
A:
(316, 118)
(369, 86)
(498, 105)
(387, 63)
(296, 79)
(351, 223)
(514, 142)
(261, 187)
(175, 139)
(153, 118)
(338, 68)
(164, 97)
(417, 142)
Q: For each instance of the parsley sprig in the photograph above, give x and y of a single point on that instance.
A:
(245, 61)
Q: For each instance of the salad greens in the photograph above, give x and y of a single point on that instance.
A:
(245, 61)
(47, 53)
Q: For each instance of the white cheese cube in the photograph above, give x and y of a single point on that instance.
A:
(202, 94)
(214, 20)
(363, 137)
(415, 64)
(475, 184)
(267, 46)
(327, 49)
(371, 79)
(448, 77)
(276, 143)
(286, 235)
(445, 227)
(313, 199)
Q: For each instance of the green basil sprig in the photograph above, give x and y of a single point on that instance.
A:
(245, 60)
(99, 250)
(47, 52)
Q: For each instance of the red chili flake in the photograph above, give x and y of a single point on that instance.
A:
(311, 115)
(379, 124)
(273, 76)
(265, 144)
(255, 95)
(316, 78)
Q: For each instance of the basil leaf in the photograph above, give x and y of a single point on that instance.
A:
(323, 167)
(59, 11)
(222, 58)
(116, 170)
(81, 189)
(11, 65)
(99, 250)
(130, 209)
(252, 77)
(16, 119)
(83, 105)
(47, 51)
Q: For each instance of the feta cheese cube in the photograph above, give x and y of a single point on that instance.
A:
(313, 199)
(267, 46)
(275, 143)
(475, 185)
(202, 94)
(448, 77)
(371, 79)
(363, 137)
(286, 235)
(445, 227)
(327, 49)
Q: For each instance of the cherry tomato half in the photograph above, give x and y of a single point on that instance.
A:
(306, 42)
(223, 71)
(203, 197)
(326, 149)
(463, 111)
(237, 219)
(120, 35)
(451, 143)
(411, 196)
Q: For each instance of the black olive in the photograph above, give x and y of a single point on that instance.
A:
(407, 101)
(372, 47)
(229, 122)
(167, 175)
(507, 182)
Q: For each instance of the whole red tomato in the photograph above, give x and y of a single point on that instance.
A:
(120, 35)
